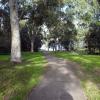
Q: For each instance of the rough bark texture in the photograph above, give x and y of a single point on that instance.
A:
(15, 45)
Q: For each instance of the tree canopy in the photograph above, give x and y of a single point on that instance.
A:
(68, 21)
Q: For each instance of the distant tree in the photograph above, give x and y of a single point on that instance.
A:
(66, 20)
(93, 39)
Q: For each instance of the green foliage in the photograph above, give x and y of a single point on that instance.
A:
(16, 81)
(60, 16)
(93, 38)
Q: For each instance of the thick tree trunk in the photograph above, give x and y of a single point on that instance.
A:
(15, 45)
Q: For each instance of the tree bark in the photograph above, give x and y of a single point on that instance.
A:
(15, 43)
(32, 42)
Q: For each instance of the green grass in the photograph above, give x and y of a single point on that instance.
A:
(90, 66)
(16, 81)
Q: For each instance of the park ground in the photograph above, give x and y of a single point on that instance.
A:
(89, 65)
(16, 81)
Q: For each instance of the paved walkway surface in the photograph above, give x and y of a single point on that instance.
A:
(59, 82)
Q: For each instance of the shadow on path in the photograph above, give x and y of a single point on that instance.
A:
(59, 82)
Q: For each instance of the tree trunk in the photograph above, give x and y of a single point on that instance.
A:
(32, 42)
(32, 45)
(15, 43)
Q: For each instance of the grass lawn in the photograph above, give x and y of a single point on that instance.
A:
(90, 66)
(16, 81)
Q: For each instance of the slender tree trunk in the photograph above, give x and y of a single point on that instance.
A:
(32, 46)
(99, 50)
(15, 43)
(32, 42)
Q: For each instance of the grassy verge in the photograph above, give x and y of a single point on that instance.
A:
(17, 80)
(90, 66)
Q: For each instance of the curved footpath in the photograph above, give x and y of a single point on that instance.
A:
(59, 82)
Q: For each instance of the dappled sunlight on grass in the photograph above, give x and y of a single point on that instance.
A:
(17, 80)
(81, 59)
(90, 62)
(91, 90)
(90, 66)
